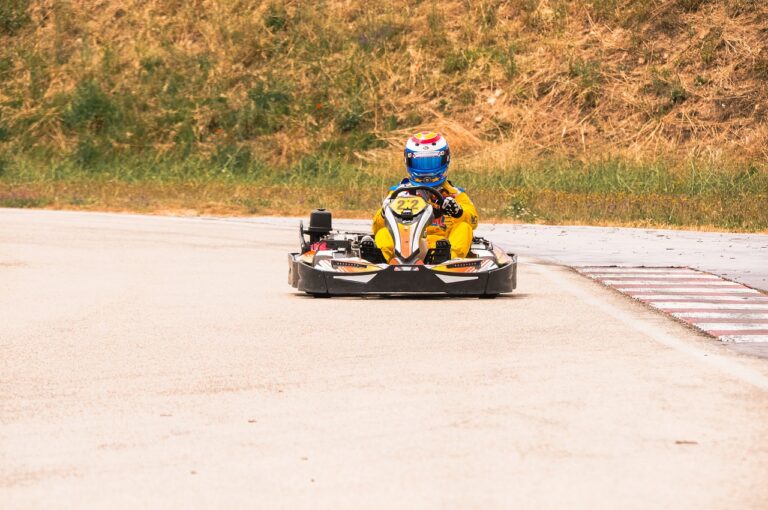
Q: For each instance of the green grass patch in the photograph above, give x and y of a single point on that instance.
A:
(550, 190)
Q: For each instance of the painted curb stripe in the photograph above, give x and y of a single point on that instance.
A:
(629, 269)
(731, 320)
(655, 276)
(699, 298)
(733, 332)
(720, 315)
(735, 326)
(692, 306)
(724, 309)
(711, 300)
(714, 301)
(689, 282)
(675, 311)
(739, 339)
(693, 295)
(698, 290)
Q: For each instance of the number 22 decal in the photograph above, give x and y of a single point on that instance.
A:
(407, 203)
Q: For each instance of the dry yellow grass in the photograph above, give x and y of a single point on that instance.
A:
(576, 80)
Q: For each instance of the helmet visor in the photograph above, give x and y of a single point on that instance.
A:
(427, 161)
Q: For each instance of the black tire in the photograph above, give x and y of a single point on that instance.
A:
(319, 295)
(489, 296)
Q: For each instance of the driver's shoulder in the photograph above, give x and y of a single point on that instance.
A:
(402, 183)
(451, 189)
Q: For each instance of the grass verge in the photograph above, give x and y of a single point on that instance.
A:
(611, 191)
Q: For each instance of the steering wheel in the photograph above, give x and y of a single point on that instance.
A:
(438, 211)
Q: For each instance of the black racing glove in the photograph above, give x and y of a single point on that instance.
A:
(452, 208)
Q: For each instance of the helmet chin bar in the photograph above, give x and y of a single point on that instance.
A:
(434, 185)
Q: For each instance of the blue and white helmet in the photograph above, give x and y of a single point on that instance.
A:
(427, 157)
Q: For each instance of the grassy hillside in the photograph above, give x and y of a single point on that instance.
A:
(638, 111)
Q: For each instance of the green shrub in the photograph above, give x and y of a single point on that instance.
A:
(391, 123)
(637, 13)
(272, 97)
(664, 85)
(458, 61)
(700, 80)
(39, 71)
(343, 146)
(435, 35)
(6, 65)
(691, 5)
(488, 15)
(587, 71)
(151, 64)
(351, 116)
(761, 66)
(269, 103)
(669, 21)
(506, 58)
(711, 43)
(604, 10)
(91, 152)
(467, 96)
(677, 94)
(22, 201)
(91, 109)
(543, 16)
(589, 77)
(276, 17)
(314, 168)
(381, 35)
(739, 7)
(13, 15)
(185, 137)
(235, 160)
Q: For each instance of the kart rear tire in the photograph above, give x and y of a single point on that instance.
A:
(319, 294)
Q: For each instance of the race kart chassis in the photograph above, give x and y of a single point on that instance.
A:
(337, 263)
(402, 280)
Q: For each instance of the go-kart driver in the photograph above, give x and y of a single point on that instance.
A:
(427, 157)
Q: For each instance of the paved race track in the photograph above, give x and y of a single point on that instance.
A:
(165, 363)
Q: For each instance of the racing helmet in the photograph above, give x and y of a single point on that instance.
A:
(427, 157)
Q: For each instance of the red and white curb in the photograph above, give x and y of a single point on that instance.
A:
(724, 309)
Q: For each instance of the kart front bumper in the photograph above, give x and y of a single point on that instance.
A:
(401, 280)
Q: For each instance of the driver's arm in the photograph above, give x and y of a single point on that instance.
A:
(378, 219)
(470, 211)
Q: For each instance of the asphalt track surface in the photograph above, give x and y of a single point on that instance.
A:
(165, 363)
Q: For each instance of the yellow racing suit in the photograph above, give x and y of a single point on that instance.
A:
(459, 231)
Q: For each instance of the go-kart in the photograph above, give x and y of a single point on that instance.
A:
(334, 263)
